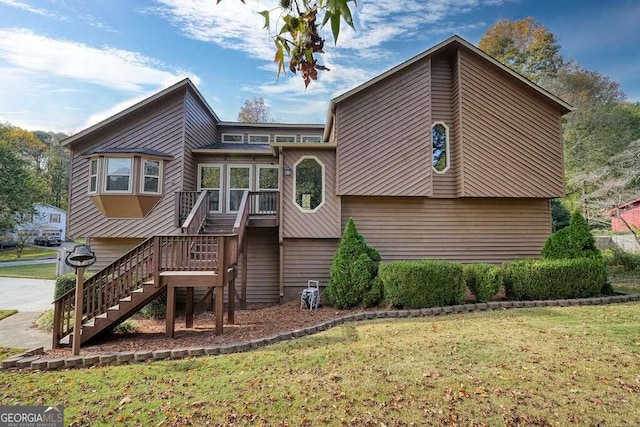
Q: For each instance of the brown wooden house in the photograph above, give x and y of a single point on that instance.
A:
(449, 155)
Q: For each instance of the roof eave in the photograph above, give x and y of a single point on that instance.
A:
(563, 106)
(185, 83)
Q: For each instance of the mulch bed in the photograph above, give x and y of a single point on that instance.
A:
(254, 323)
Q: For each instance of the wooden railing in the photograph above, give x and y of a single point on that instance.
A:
(198, 215)
(144, 263)
(184, 202)
(263, 202)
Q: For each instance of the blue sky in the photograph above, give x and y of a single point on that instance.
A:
(66, 64)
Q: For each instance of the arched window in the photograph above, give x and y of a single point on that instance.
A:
(440, 147)
(308, 184)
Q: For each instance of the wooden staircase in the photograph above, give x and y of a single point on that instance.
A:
(208, 246)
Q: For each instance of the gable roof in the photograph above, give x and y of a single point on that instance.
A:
(451, 41)
(152, 100)
(621, 206)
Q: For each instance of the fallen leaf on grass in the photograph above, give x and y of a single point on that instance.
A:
(124, 400)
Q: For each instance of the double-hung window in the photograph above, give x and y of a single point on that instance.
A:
(93, 176)
(150, 181)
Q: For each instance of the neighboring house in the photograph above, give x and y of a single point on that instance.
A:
(48, 221)
(625, 215)
(449, 155)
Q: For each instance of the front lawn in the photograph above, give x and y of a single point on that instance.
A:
(29, 252)
(6, 352)
(542, 366)
(33, 271)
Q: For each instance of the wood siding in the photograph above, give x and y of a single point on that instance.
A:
(442, 110)
(159, 128)
(263, 260)
(109, 250)
(306, 259)
(464, 230)
(511, 137)
(199, 130)
(383, 136)
(324, 223)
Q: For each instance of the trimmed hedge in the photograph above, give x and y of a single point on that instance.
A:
(554, 279)
(483, 280)
(65, 283)
(420, 284)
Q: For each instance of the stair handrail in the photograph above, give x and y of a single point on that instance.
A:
(240, 225)
(198, 215)
(105, 288)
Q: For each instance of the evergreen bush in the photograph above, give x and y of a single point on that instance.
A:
(574, 241)
(156, 309)
(420, 284)
(353, 272)
(554, 279)
(483, 280)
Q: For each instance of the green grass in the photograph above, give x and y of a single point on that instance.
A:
(6, 313)
(625, 281)
(29, 252)
(37, 271)
(80, 241)
(6, 352)
(542, 366)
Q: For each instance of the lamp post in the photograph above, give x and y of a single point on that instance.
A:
(79, 258)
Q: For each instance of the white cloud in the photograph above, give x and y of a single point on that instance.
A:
(106, 66)
(32, 9)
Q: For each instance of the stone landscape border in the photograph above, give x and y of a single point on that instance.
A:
(32, 360)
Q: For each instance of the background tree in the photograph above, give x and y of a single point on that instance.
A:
(19, 191)
(597, 136)
(297, 32)
(526, 46)
(255, 111)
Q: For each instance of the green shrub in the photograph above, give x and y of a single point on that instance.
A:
(45, 321)
(619, 258)
(126, 327)
(419, 284)
(554, 279)
(156, 309)
(353, 272)
(483, 280)
(574, 241)
(65, 283)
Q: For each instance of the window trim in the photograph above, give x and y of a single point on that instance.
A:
(285, 136)
(261, 135)
(220, 167)
(222, 137)
(55, 218)
(143, 175)
(106, 175)
(447, 145)
(96, 175)
(302, 137)
(324, 186)
(228, 183)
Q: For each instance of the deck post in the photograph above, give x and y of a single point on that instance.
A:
(155, 261)
(171, 310)
(189, 308)
(245, 268)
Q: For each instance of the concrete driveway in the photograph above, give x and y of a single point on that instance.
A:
(33, 295)
(30, 297)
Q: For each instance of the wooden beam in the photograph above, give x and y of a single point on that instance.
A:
(219, 309)
(245, 269)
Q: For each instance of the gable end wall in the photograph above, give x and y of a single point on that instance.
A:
(383, 136)
(511, 138)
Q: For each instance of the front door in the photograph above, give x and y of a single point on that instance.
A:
(210, 179)
(239, 180)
